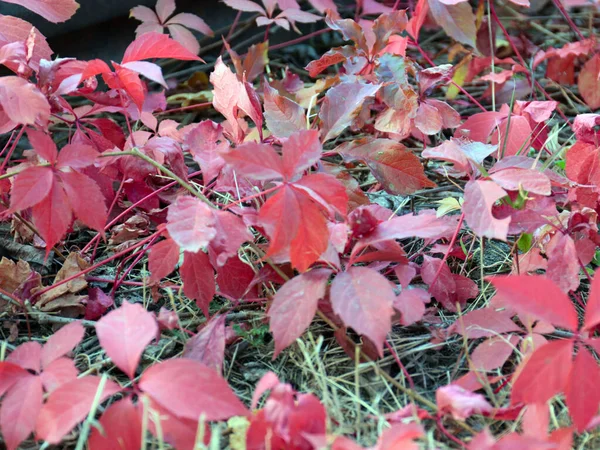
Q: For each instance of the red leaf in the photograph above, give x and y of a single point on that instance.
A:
(460, 403)
(76, 156)
(31, 187)
(198, 279)
(231, 234)
(43, 145)
(22, 102)
(130, 82)
(325, 190)
(234, 278)
(156, 45)
(254, 160)
(582, 391)
(448, 289)
(52, 10)
(97, 304)
(189, 389)
(480, 196)
(19, 410)
(10, 373)
(492, 353)
(550, 363)
(531, 180)
(124, 334)
(538, 297)
(589, 85)
(515, 137)
(283, 116)
(53, 216)
(162, 259)
(28, 356)
(68, 405)
(397, 169)
(122, 428)
(206, 142)
(57, 373)
(295, 305)
(341, 105)
(191, 223)
(294, 223)
(86, 199)
(363, 299)
(18, 30)
(411, 304)
(484, 322)
(592, 309)
(62, 342)
(226, 94)
(300, 151)
(208, 345)
(563, 264)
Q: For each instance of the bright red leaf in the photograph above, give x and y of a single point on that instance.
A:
(198, 279)
(162, 259)
(19, 410)
(582, 392)
(121, 428)
(156, 45)
(124, 334)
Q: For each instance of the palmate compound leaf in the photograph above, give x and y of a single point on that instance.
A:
(295, 305)
(397, 169)
(480, 196)
(538, 297)
(124, 334)
(190, 390)
(363, 298)
(68, 405)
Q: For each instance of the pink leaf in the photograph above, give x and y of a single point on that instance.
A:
(31, 187)
(18, 30)
(538, 297)
(231, 234)
(68, 405)
(191, 21)
(122, 426)
(226, 94)
(143, 14)
(149, 70)
(198, 279)
(10, 373)
(52, 10)
(480, 196)
(563, 264)
(300, 151)
(19, 411)
(164, 8)
(76, 156)
(589, 85)
(460, 403)
(457, 20)
(283, 115)
(190, 223)
(205, 142)
(43, 145)
(341, 105)
(411, 304)
(514, 179)
(492, 353)
(513, 138)
(53, 216)
(582, 392)
(86, 199)
(551, 363)
(208, 345)
(267, 382)
(28, 356)
(189, 389)
(257, 161)
(185, 37)
(57, 373)
(484, 322)
(124, 334)
(62, 342)
(245, 5)
(162, 259)
(592, 309)
(156, 45)
(363, 299)
(294, 306)
(22, 102)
